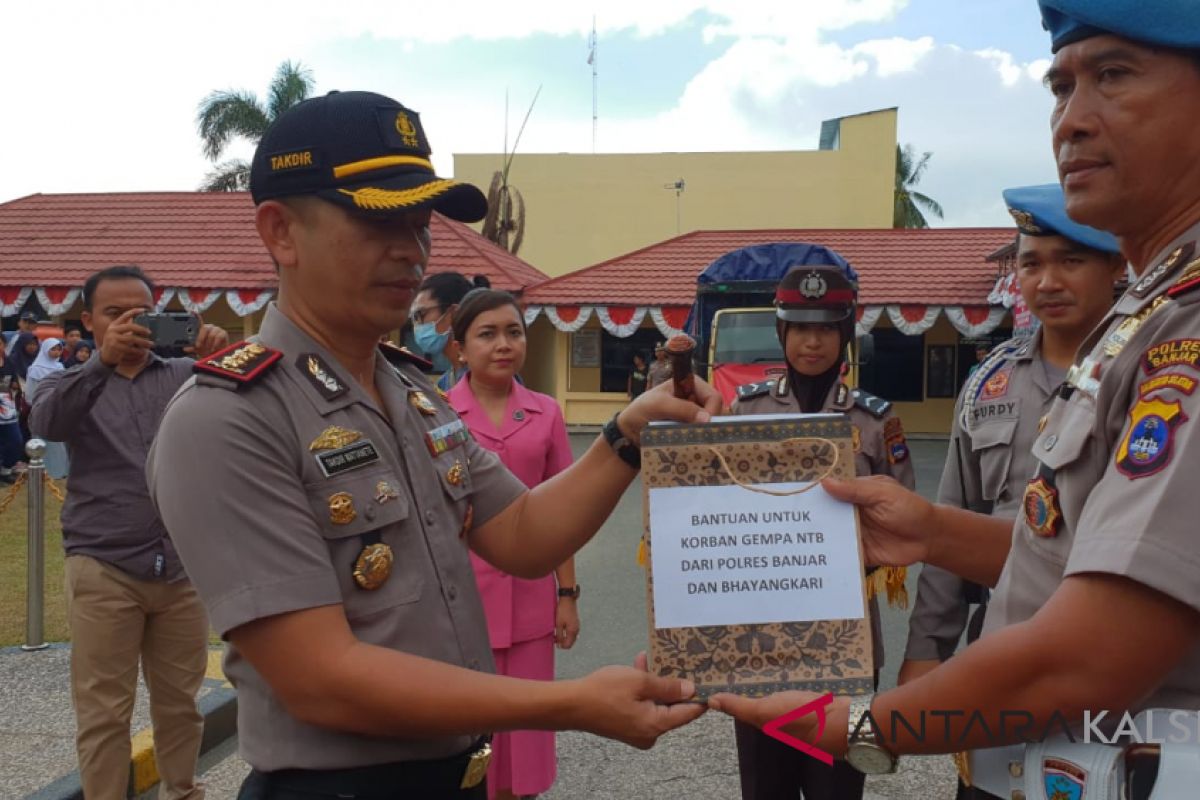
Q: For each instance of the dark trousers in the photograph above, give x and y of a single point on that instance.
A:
(12, 445)
(771, 770)
(965, 793)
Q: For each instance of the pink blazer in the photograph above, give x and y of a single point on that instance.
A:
(532, 443)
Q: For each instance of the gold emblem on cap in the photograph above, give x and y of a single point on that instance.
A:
(1024, 221)
(341, 508)
(384, 492)
(421, 402)
(373, 566)
(456, 473)
(334, 437)
(406, 129)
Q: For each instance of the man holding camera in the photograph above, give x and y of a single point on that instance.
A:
(128, 599)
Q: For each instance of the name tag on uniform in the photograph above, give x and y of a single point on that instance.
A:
(446, 437)
(344, 459)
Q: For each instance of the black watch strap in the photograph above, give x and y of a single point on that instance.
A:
(569, 591)
(626, 450)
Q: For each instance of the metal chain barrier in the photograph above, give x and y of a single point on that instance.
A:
(12, 492)
(55, 490)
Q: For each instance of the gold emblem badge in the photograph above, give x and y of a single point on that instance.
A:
(1042, 513)
(373, 566)
(384, 492)
(421, 402)
(1024, 221)
(856, 438)
(334, 437)
(406, 129)
(468, 521)
(456, 473)
(341, 508)
(477, 767)
(1115, 342)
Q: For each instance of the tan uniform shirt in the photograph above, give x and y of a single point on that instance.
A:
(989, 462)
(1123, 451)
(879, 446)
(269, 513)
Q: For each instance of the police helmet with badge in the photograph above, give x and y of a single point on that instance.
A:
(820, 295)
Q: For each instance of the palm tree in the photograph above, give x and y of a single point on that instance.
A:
(225, 116)
(908, 201)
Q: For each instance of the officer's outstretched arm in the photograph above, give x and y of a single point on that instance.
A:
(548, 524)
(348, 685)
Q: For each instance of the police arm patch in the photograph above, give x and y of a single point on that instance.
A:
(242, 363)
(1146, 447)
(1173, 353)
(894, 441)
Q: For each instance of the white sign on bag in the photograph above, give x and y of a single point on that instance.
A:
(723, 555)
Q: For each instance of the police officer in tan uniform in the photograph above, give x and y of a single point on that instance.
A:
(1097, 602)
(1066, 273)
(322, 495)
(815, 325)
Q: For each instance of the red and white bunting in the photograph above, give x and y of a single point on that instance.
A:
(198, 301)
(621, 321)
(913, 320)
(161, 298)
(867, 317)
(568, 318)
(12, 298)
(531, 313)
(57, 299)
(973, 321)
(1005, 292)
(670, 319)
(245, 302)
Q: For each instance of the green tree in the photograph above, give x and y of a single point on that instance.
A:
(236, 113)
(907, 212)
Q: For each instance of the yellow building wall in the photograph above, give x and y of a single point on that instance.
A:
(586, 208)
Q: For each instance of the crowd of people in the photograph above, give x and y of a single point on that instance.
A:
(316, 485)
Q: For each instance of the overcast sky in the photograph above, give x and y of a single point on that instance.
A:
(103, 96)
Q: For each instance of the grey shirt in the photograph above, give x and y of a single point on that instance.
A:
(1122, 451)
(987, 467)
(108, 423)
(271, 512)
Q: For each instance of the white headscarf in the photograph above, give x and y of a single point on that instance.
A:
(44, 364)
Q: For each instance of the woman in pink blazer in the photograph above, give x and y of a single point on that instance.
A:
(526, 429)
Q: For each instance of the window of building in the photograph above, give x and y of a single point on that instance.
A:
(616, 356)
(897, 370)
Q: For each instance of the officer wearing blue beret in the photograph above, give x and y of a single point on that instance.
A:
(1066, 273)
(1094, 623)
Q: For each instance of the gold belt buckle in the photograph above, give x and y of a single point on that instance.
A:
(477, 767)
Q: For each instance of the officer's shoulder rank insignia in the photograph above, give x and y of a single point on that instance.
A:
(1178, 255)
(1146, 448)
(1188, 280)
(748, 391)
(873, 405)
(1040, 505)
(321, 375)
(242, 363)
(402, 355)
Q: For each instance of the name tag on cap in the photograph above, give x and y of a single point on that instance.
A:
(446, 437)
(344, 459)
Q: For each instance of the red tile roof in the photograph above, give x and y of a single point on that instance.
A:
(188, 239)
(935, 266)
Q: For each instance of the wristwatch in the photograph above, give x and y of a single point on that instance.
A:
(626, 450)
(863, 750)
(569, 591)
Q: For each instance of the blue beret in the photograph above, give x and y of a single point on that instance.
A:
(1042, 211)
(1166, 23)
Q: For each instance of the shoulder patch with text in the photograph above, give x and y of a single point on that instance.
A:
(1176, 352)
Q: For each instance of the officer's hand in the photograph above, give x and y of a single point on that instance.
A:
(210, 340)
(896, 523)
(125, 342)
(660, 403)
(628, 705)
(824, 725)
(914, 668)
(566, 623)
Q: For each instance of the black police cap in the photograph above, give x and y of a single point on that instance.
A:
(360, 150)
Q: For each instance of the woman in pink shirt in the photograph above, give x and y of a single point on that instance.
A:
(526, 429)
